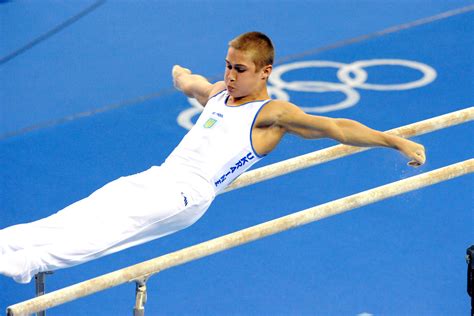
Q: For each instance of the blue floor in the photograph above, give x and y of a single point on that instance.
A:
(88, 99)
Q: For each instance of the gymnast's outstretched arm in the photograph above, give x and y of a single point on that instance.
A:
(294, 120)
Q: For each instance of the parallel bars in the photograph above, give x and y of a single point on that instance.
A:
(145, 269)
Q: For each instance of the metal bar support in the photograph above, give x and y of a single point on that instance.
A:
(140, 297)
(40, 279)
(470, 275)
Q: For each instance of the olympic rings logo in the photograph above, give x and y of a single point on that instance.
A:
(351, 76)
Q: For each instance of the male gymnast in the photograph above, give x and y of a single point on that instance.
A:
(239, 125)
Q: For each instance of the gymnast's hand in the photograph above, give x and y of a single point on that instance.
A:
(413, 151)
(176, 73)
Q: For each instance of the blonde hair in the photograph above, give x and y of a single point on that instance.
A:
(258, 44)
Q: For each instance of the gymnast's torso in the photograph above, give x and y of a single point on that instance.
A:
(219, 147)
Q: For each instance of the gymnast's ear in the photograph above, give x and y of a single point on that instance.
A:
(266, 71)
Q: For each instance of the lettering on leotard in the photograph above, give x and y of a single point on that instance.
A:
(185, 199)
(218, 114)
(236, 166)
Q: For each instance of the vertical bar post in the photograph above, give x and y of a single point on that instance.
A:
(470, 275)
(40, 279)
(140, 297)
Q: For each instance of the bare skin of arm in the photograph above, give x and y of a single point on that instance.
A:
(280, 117)
(195, 86)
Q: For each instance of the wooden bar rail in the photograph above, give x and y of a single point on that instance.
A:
(150, 267)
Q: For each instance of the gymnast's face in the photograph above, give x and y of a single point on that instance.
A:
(241, 75)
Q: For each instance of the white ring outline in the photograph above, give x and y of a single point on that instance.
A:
(429, 74)
(185, 117)
(352, 96)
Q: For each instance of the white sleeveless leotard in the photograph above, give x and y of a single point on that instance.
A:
(138, 208)
(219, 147)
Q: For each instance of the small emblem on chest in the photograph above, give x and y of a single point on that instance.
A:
(210, 123)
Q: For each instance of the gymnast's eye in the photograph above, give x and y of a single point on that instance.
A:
(240, 69)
